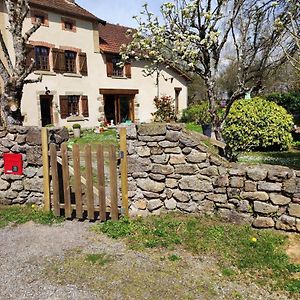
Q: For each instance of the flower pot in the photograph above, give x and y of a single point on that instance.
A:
(207, 129)
(76, 132)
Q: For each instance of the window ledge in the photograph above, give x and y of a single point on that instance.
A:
(72, 75)
(75, 118)
(119, 77)
(44, 73)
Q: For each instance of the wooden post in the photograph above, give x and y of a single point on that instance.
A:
(101, 182)
(113, 183)
(55, 180)
(124, 171)
(77, 181)
(66, 180)
(46, 172)
(89, 182)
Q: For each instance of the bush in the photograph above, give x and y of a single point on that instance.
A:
(76, 126)
(290, 101)
(165, 109)
(198, 113)
(257, 124)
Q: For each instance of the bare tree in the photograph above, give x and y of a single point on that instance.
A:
(14, 71)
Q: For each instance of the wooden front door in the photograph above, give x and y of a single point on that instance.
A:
(46, 110)
(119, 108)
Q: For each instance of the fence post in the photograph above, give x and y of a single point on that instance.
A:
(124, 171)
(46, 172)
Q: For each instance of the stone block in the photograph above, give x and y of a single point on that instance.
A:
(269, 186)
(290, 186)
(187, 150)
(143, 151)
(187, 141)
(34, 136)
(160, 159)
(181, 196)
(156, 138)
(174, 126)
(141, 204)
(34, 156)
(206, 207)
(236, 182)
(17, 186)
(130, 131)
(150, 185)
(175, 150)
(221, 181)
(167, 144)
(154, 204)
(196, 157)
(250, 186)
(192, 183)
(286, 223)
(171, 183)
(33, 184)
(210, 171)
(279, 199)
(162, 169)
(186, 169)
(235, 217)
(220, 198)
(170, 204)
(278, 173)
(173, 136)
(264, 208)
(140, 175)
(294, 210)
(7, 143)
(177, 159)
(4, 185)
(190, 207)
(151, 195)
(257, 173)
(198, 196)
(152, 129)
(157, 177)
(260, 196)
(244, 206)
(156, 150)
(135, 164)
(237, 171)
(263, 222)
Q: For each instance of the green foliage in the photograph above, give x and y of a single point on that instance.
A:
(290, 101)
(257, 124)
(21, 214)
(194, 127)
(197, 113)
(165, 109)
(238, 249)
(99, 258)
(76, 125)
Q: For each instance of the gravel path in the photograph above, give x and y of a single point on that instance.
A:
(29, 251)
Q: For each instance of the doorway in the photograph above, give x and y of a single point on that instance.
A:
(46, 109)
(119, 108)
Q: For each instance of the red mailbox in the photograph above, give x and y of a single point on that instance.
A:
(13, 164)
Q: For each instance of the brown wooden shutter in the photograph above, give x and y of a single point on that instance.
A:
(30, 56)
(109, 66)
(128, 70)
(83, 64)
(64, 106)
(85, 106)
(59, 65)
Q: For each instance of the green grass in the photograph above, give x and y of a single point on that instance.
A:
(260, 254)
(287, 158)
(98, 258)
(109, 137)
(21, 214)
(194, 127)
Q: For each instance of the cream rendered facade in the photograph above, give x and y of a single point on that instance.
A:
(86, 39)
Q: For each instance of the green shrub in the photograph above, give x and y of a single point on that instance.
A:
(197, 113)
(76, 125)
(257, 124)
(165, 109)
(290, 101)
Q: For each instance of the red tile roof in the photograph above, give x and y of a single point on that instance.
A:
(66, 7)
(112, 37)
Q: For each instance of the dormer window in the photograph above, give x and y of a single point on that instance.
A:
(117, 70)
(68, 24)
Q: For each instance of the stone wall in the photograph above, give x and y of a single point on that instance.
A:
(171, 170)
(26, 188)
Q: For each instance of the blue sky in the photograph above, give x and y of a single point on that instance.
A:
(119, 11)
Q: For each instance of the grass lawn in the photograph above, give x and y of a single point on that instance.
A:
(194, 127)
(286, 158)
(18, 214)
(89, 137)
(241, 252)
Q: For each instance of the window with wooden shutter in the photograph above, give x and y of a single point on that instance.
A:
(85, 106)
(109, 66)
(30, 55)
(59, 65)
(83, 64)
(64, 105)
(128, 70)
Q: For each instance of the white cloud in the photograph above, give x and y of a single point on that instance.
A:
(119, 11)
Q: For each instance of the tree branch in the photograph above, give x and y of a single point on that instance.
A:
(4, 72)
(28, 81)
(31, 31)
(5, 52)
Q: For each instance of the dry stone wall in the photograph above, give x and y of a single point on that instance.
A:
(26, 188)
(170, 170)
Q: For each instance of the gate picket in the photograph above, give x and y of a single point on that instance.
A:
(113, 183)
(55, 179)
(77, 181)
(89, 182)
(66, 180)
(101, 182)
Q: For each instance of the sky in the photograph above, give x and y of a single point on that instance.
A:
(119, 11)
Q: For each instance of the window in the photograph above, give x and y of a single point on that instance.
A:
(68, 24)
(42, 58)
(114, 69)
(39, 17)
(117, 70)
(70, 61)
(73, 105)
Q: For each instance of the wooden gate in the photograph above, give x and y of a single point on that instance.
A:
(85, 182)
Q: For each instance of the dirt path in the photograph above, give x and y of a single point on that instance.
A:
(42, 262)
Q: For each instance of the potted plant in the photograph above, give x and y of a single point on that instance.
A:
(76, 130)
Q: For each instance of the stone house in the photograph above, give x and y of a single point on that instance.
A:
(77, 54)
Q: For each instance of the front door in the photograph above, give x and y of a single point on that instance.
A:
(119, 108)
(46, 109)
